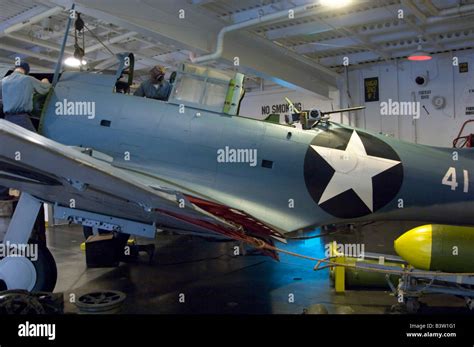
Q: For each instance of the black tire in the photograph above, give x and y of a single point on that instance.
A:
(46, 271)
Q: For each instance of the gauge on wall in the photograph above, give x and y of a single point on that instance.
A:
(438, 102)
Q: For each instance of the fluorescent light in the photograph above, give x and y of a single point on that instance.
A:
(334, 3)
(74, 62)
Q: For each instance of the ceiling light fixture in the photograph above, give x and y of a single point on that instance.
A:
(334, 3)
(420, 54)
(77, 60)
(74, 62)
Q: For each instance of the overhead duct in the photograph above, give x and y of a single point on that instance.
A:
(242, 25)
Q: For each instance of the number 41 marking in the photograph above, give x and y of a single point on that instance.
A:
(450, 179)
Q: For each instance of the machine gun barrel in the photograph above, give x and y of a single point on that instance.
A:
(349, 109)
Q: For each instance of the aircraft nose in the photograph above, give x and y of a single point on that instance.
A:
(415, 246)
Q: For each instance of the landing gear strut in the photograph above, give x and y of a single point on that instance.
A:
(37, 272)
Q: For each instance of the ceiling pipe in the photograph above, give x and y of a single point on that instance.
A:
(35, 19)
(242, 25)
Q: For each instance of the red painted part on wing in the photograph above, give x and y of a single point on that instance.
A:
(233, 234)
(239, 217)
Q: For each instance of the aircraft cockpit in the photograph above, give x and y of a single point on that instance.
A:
(207, 88)
(192, 85)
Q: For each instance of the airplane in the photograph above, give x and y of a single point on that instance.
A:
(193, 165)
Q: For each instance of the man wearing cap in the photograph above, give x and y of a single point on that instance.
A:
(16, 93)
(156, 87)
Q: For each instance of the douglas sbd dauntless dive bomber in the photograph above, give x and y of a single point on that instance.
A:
(135, 165)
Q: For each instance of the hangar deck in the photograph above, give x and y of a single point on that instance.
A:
(214, 281)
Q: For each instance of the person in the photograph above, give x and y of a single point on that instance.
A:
(16, 92)
(156, 87)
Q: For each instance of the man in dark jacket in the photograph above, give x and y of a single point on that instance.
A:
(156, 87)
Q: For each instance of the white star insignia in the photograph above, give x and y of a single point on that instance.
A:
(354, 170)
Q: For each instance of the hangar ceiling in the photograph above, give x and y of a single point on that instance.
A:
(304, 52)
(366, 31)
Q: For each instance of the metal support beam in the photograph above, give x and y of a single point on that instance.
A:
(402, 34)
(88, 50)
(244, 15)
(26, 52)
(431, 8)
(110, 41)
(29, 17)
(399, 52)
(349, 20)
(415, 10)
(38, 42)
(34, 67)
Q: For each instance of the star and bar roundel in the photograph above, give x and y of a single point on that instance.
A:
(350, 173)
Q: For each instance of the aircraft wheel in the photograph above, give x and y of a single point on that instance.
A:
(20, 302)
(46, 271)
(23, 273)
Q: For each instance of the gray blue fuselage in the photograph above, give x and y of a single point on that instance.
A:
(181, 145)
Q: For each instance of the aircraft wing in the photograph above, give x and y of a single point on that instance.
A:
(68, 176)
